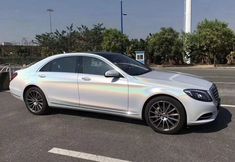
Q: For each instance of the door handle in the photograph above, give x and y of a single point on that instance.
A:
(42, 76)
(86, 78)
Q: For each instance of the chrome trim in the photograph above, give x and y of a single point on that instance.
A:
(214, 93)
(99, 110)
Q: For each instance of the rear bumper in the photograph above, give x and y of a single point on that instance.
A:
(16, 93)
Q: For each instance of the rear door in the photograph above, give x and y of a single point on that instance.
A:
(59, 81)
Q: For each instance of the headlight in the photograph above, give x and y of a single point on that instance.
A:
(198, 94)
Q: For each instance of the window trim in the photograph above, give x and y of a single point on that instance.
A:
(82, 70)
(124, 74)
(50, 61)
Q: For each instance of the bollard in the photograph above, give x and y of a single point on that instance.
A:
(4, 81)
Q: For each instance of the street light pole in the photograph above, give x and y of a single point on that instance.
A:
(50, 11)
(121, 18)
(188, 16)
(188, 25)
(122, 14)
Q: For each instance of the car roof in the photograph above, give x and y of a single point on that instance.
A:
(102, 54)
(39, 64)
(106, 53)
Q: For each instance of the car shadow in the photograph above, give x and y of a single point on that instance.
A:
(223, 119)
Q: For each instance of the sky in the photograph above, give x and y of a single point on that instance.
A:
(26, 18)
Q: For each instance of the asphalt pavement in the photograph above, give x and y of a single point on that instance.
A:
(82, 135)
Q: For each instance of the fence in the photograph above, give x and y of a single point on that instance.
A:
(19, 60)
(6, 72)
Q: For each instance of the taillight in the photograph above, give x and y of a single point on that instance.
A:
(13, 75)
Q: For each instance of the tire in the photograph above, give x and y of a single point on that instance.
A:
(165, 115)
(35, 101)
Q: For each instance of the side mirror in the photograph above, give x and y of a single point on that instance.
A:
(112, 73)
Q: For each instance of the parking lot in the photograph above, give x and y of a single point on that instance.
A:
(83, 135)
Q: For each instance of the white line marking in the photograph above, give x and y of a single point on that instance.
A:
(224, 105)
(224, 83)
(82, 155)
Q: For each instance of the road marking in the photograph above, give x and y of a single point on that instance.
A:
(224, 105)
(83, 155)
(232, 83)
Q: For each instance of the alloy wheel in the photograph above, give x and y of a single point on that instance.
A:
(164, 115)
(34, 101)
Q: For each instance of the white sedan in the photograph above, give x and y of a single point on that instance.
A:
(116, 84)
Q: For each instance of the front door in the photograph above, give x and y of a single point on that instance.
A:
(99, 92)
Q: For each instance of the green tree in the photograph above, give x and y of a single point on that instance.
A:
(192, 48)
(136, 45)
(47, 43)
(90, 39)
(166, 46)
(215, 40)
(71, 40)
(115, 41)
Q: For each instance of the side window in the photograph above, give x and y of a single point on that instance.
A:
(46, 67)
(94, 66)
(64, 64)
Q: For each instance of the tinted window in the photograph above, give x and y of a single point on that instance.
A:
(127, 64)
(94, 66)
(46, 67)
(64, 64)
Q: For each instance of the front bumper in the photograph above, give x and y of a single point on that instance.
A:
(200, 112)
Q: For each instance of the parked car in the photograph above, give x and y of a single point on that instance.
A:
(116, 84)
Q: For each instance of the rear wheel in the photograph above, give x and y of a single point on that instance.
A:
(35, 101)
(165, 115)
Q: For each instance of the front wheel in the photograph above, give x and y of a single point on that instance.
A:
(35, 101)
(165, 115)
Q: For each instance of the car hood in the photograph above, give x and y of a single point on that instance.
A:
(175, 79)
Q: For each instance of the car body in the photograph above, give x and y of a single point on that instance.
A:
(97, 83)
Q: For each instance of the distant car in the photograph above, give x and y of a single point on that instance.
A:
(116, 84)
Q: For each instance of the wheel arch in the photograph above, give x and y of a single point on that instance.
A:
(44, 106)
(158, 95)
(30, 86)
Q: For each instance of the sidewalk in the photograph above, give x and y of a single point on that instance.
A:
(194, 66)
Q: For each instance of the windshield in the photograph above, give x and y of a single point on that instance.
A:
(127, 64)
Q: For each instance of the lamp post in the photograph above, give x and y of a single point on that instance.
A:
(50, 11)
(188, 25)
(188, 16)
(122, 14)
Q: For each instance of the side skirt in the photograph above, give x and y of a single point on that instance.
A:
(97, 110)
